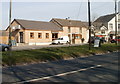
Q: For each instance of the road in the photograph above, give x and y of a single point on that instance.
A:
(97, 68)
(28, 47)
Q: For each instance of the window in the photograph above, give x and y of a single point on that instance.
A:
(103, 32)
(47, 35)
(32, 35)
(77, 36)
(39, 35)
(54, 36)
(110, 26)
(118, 20)
(118, 26)
(68, 29)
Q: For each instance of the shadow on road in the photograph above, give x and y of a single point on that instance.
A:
(106, 73)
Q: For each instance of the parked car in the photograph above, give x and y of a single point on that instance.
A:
(4, 47)
(117, 39)
(62, 40)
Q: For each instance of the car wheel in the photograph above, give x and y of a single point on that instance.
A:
(112, 41)
(58, 43)
(67, 42)
(6, 49)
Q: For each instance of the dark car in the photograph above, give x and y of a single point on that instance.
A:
(117, 39)
(102, 39)
(92, 39)
(4, 47)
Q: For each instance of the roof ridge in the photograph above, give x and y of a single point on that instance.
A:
(67, 19)
(108, 15)
(32, 20)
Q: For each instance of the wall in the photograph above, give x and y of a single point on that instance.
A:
(75, 30)
(4, 39)
(36, 40)
(113, 22)
(85, 34)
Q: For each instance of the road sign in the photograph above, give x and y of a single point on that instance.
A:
(97, 43)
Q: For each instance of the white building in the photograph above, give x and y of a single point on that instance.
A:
(105, 25)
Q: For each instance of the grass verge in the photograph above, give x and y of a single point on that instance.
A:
(53, 54)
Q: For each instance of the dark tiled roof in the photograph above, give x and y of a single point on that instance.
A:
(86, 24)
(98, 25)
(67, 22)
(103, 21)
(38, 25)
(105, 18)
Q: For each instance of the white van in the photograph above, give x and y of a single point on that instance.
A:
(62, 40)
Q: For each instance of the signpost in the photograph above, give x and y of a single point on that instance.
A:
(97, 43)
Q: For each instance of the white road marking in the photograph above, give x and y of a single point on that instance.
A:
(62, 74)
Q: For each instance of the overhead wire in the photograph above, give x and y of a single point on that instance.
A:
(79, 10)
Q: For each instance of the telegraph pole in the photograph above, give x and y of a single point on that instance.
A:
(10, 43)
(116, 20)
(9, 25)
(89, 25)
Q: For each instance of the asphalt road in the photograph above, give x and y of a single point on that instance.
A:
(97, 68)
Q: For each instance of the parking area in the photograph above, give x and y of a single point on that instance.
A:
(29, 47)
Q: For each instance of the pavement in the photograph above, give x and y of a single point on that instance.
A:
(28, 47)
(96, 68)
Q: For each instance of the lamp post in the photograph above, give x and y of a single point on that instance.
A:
(89, 19)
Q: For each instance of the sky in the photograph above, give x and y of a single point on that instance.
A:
(119, 6)
(45, 11)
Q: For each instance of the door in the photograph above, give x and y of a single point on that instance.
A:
(21, 37)
(73, 38)
(54, 36)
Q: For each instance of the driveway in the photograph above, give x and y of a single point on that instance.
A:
(28, 47)
(97, 68)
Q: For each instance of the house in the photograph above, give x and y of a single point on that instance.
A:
(105, 25)
(76, 30)
(27, 32)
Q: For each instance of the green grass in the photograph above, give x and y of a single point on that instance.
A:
(53, 54)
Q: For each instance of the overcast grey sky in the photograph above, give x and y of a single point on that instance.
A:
(45, 11)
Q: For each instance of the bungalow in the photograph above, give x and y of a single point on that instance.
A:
(27, 32)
